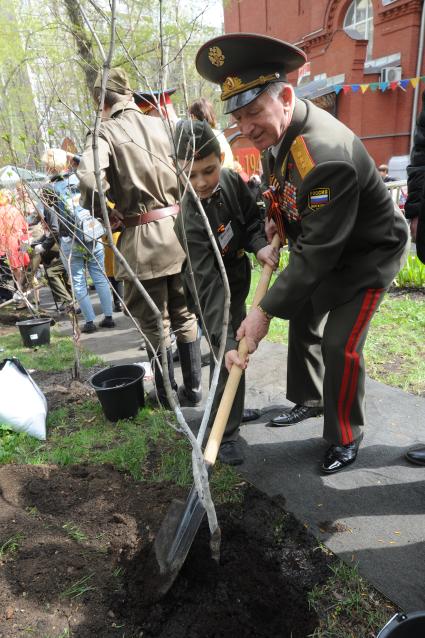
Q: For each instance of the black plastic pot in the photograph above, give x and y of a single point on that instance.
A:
(119, 390)
(410, 625)
(35, 332)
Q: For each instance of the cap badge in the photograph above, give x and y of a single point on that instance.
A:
(231, 84)
(215, 56)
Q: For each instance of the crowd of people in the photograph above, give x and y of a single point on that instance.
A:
(347, 237)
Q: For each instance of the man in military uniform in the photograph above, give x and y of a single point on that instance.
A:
(139, 179)
(348, 241)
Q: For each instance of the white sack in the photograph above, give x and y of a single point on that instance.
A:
(23, 406)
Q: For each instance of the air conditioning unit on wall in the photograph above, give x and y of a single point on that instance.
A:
(391, 74)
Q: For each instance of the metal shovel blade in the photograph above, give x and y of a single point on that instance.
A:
(175, 537)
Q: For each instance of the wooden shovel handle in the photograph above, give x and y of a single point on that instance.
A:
(235, 373)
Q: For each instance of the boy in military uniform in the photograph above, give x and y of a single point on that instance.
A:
(233, 217)
(348, 241)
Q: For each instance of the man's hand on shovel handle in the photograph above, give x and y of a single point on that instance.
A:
(254, 328)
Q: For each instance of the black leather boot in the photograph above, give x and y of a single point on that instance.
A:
(190, 394)
(159, 381)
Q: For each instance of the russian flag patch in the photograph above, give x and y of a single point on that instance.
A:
(319, 197)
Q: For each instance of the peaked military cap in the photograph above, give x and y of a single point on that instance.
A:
(244, 64)
(117, 81)
(148, 100)
(195, 139)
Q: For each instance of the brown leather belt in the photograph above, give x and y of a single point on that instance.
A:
(150, 216)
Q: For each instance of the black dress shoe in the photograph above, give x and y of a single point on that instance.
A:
(295, 415)
(250, 415)
(416, 456)
(230, 453)
(339, 456)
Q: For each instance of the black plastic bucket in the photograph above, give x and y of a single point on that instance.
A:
(119, 390)
(410, 625)
(35, 332)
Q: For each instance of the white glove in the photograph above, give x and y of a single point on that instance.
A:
(38, 249)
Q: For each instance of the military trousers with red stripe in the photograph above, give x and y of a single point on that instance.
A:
(326, 365)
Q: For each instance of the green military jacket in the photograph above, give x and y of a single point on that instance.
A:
(236, 226)
(138, 175)
(347, 235)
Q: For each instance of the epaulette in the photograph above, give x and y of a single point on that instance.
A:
(303, 160)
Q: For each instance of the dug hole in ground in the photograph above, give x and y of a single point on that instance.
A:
(83, 534)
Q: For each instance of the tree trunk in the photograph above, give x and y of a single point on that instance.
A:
(83, 42)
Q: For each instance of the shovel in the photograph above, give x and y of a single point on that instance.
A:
(182, 521)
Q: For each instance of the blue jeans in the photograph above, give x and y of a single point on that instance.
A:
(92, 258)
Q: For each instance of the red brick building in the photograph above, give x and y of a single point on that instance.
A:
(349, 42)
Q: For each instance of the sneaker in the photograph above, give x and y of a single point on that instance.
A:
(117, 307)
(89, 327)
(107, 322)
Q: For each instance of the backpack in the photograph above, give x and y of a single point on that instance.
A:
(78, 220)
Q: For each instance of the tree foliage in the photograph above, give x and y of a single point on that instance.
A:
(49, 60)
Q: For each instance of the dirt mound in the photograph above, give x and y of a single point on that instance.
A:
(73, 543)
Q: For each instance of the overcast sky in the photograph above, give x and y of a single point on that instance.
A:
(213, 15)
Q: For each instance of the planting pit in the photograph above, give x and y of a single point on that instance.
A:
(78, 537)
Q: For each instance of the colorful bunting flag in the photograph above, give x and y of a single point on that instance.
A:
(382, 86)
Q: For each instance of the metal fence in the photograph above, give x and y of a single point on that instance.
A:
(398, 192)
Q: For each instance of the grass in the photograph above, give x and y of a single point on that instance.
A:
(395, 347)
(146, 447)
(79, 588)
(412, 273)
(10, 546)
(56, 357)
(347, 606)
(74, 532)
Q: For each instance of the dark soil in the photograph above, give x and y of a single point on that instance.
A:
(94, 526)
(75, 542)
(413, 292)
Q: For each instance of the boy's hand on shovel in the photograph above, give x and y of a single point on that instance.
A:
(232, 358)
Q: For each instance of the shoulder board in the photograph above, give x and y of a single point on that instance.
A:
(303, 160)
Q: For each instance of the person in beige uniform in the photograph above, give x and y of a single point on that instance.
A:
(140, 183)
(348, 240)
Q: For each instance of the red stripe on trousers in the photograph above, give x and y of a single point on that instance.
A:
(356, 363)
(352, 364)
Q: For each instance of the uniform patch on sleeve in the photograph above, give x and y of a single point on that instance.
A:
(319, 197)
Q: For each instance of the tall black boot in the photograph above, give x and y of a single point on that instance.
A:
(190, 394)
(117, 293)
(159, 381)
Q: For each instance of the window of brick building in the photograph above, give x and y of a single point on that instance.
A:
(358, 23)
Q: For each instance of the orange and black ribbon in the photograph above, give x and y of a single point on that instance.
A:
(274, 212)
